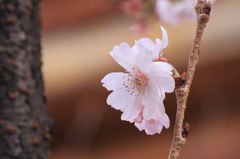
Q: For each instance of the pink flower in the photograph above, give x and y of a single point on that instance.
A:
(133, 8)
(141, 90)
(175, 12)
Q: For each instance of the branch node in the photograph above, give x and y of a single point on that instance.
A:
(180, 81)
(186, 130)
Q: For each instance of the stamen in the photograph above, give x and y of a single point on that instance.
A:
(135, 82)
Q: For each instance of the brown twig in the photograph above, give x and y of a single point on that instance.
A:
(203, 9)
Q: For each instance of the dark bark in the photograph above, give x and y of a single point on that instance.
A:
(25, 128)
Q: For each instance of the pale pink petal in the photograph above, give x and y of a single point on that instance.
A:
(160, 111)
(119, 99)
(140, 47)
(113, 81)
(162, 65)
(133, 110)
(158, 49)
(151, 104)
(124, 56)
(147, 43)
(140, 126)
(162, 92)
(164, 120)
(153, 87)
(155, 49)
(164, 38)
(153, 127)
(166, 83)
(144, 58)
(161, 69)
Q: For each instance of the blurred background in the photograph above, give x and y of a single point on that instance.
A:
(77, 38)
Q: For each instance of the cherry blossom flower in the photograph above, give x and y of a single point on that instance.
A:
(174, 12)
(133, 8)
(140, 11)
(140, 91)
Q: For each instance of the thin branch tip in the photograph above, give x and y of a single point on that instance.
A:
(203, 7)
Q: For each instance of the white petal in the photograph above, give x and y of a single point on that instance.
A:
(112, 76)
(162, 65)
(164, 38)
(153, 87)
(162, 91)
(153, 106)
(160, 111)
(149, 110)
(124, 56)
(167, 83)
(158, 49)
(150, 103)
(140, 126)
(143, 58)
(153, 127)
(141, 46)
(157, 69)
(119, 99)
(133, 110)
(165, 121)
(113, 81)
(160, 45)
(147, 43)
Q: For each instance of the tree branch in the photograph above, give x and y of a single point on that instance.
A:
(25, 127)
(203, 9)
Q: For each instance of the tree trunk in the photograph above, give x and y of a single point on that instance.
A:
(25, 128)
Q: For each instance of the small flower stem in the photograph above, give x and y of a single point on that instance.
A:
(203, 9)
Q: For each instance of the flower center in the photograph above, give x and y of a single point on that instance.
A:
(135, 83)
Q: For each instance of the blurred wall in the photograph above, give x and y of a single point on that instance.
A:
(78, 35)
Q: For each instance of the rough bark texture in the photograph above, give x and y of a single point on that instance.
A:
(25, 128)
